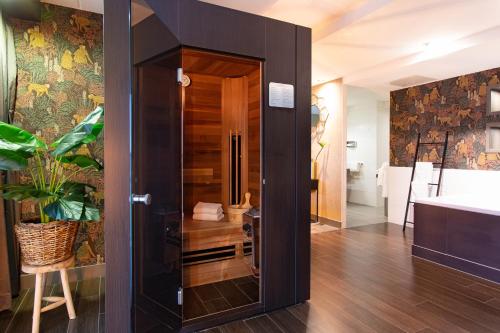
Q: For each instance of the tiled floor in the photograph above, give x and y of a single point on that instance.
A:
(220, 296)
(358, 215)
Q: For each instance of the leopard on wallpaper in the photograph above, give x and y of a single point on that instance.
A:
(457, 105)
(60, 80)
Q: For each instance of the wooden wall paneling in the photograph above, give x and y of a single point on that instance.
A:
(221, 29)
(254, 118)
(234, 120)
(209, 63)
(279, 171)
(303, 147)
(210, 235)
(117, 231)
(202, 141)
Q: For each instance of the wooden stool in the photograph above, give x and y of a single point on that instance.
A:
(54, 301)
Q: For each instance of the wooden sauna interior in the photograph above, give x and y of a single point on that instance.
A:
(221, 162)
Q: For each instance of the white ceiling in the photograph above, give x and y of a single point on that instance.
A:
(96, 6)
(373, 42)
(370, 43)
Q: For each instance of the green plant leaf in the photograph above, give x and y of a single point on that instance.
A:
(90, 213)
(24, 192)
(66, 209)
(73, 203)
(11, 160)
(74, 188)
(82, 161)
(14, 139)
(83, 133)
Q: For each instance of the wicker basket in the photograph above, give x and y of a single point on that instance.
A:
(46, 243)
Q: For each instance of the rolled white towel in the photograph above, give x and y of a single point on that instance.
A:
(424, 172)
(208, 211)
(208, 217)
(207, 208)
(419, 189)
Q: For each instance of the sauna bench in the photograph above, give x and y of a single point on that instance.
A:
(459, 233)
(214, 251)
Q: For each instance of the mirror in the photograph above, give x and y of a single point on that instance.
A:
(493, 138)
(493, 101)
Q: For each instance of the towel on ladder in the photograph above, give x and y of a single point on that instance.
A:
(423, 176)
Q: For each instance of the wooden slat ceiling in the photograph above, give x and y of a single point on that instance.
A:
(194, 61)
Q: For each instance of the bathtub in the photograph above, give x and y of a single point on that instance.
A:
(461, 232)
(484, 205)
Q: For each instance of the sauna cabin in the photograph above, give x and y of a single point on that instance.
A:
(221, 163)
(204, 130)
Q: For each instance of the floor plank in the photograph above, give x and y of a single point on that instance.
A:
(7, 316)
(364, 279)
(263, 324)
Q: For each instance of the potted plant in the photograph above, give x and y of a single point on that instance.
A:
(51, 170)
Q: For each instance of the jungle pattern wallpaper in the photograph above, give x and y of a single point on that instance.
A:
(60, 81)
(457, 105)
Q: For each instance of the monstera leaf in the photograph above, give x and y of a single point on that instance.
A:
(83, 133)
(74, 188)
(73, 203)
(82, 161)
(10, 160)
(69, 208)
(51, 187)
(90, 212)
(17, 146)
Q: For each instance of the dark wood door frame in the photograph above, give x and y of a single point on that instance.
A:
(117, 228)
(286, 51)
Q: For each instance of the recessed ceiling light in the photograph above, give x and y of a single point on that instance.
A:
(438, 48)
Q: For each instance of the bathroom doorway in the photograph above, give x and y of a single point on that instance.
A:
(367, 154)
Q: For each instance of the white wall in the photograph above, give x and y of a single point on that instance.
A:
(383, 137)
(368, 125)
(455, 182)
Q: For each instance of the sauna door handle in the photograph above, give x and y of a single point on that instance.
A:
(144, 198)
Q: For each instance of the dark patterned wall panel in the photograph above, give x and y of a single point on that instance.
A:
(60, 80)
(457, 105)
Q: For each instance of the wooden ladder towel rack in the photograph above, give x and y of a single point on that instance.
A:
(444, 144)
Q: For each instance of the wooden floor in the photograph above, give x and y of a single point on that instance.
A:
(88, 297)
(363, 280)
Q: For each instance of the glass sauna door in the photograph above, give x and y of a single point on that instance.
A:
(157, 188)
